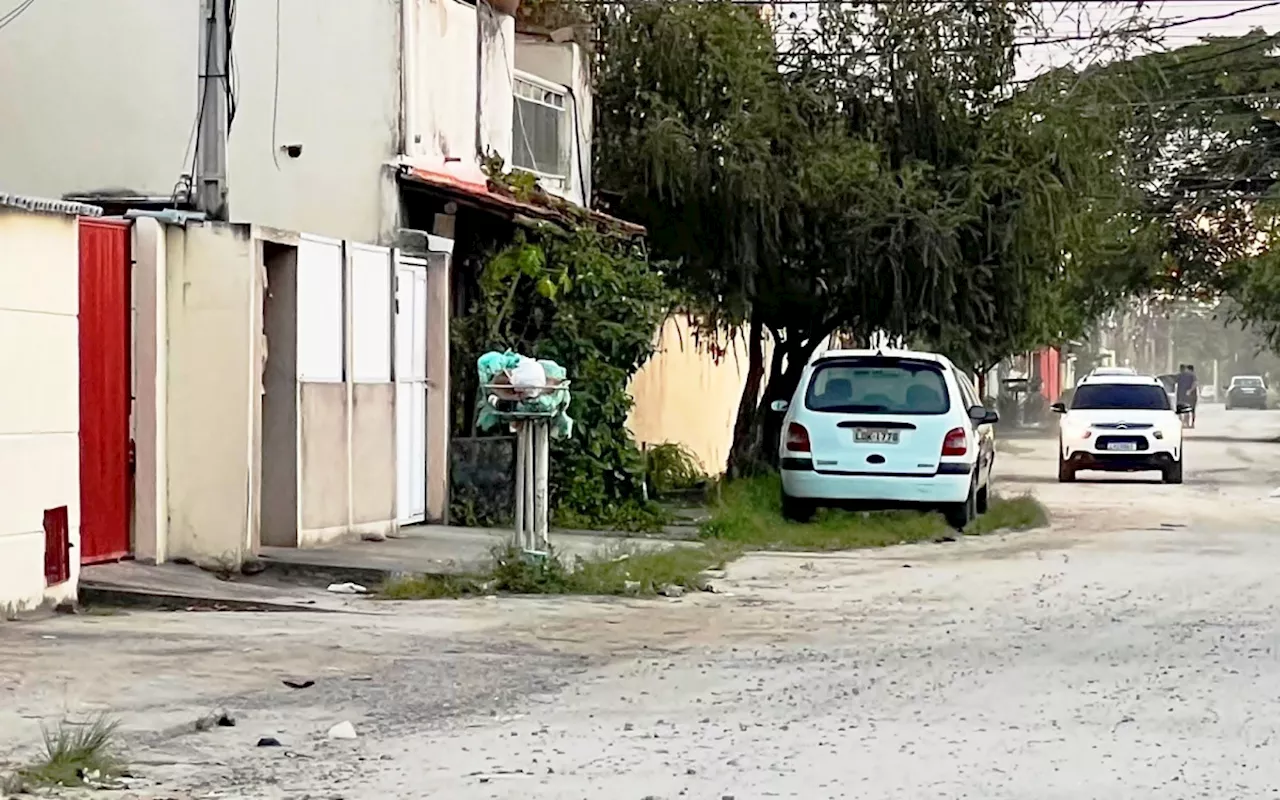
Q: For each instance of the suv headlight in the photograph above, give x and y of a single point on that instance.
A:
(1077, 432)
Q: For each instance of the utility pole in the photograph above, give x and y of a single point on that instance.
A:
(210, 179)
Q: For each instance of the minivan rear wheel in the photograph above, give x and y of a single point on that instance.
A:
(959, 515)
(795, 509)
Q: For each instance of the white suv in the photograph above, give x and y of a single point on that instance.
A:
(886, 429)
(1120, 423)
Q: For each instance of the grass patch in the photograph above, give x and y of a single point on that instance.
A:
(433, 587)
(613, 571)
(74, 755)
(748, 513)
(1021, 513)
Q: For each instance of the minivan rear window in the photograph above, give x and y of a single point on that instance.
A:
(875, 385)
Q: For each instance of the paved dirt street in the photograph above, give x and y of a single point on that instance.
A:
(1129, 651)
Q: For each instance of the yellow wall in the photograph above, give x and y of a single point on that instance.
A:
(681, 394)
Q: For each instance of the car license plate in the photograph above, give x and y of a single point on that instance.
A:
(874, 436)
(1124, 447)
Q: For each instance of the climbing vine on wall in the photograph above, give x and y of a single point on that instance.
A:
(593, 304)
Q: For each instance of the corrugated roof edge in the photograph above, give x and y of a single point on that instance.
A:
(41, 205)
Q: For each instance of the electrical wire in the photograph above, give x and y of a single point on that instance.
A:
(1267, 40)
(230, 77)
(14, 13)
(275, 96)
(193, 139)
(1028, 42)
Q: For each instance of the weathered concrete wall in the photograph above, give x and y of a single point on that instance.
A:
(323, 467)
(214, 391)
(373, 456)
(151, 371)
(441, 114)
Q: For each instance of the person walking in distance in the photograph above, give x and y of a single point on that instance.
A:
(1186, 393)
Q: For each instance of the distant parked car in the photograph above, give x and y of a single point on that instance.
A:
(886, 429)
(1247, 391)
(1105, 372)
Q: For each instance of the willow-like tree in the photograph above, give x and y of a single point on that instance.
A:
(1205, 148)
(875, 169)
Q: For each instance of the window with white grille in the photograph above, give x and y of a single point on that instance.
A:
(542, 121)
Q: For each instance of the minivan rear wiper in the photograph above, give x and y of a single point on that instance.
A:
(854, 408)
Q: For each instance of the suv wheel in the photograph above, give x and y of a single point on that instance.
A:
(1173, 472)
(1066, 473)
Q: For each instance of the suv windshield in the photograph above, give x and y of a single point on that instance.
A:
(874, 385)
(1248, 383)
(1127, 396)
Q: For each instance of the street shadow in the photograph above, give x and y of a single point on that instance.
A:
(1113, 480)
(1192, 437)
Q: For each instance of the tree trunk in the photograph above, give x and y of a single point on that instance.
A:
(758, 429)
(741, 448)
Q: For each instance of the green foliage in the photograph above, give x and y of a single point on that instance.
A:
(1204, 152)
(824, 186)
(612, 571)
(672, 467)
(593, 304)
(748, 514)
(688, 102)
(1021, 513)
(75, 755)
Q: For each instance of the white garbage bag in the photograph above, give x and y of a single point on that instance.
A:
(529, 378)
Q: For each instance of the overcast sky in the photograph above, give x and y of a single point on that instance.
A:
(1080, 19)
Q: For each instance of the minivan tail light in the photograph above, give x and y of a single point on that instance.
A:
(955, 444)
(798, 438)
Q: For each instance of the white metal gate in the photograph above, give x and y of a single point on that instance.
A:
(411, 389)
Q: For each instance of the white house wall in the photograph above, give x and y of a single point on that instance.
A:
(337, 95)
(98, 95)
(441, 64)
(40, 413)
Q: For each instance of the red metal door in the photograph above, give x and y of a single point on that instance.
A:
(105, 390)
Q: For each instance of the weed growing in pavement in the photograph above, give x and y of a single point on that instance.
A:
(613, 571)
(748, 513)
(83, 754)
(646, 572)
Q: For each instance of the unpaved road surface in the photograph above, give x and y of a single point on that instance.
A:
(1129, 651)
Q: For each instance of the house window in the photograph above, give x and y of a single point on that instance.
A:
(542, 120)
